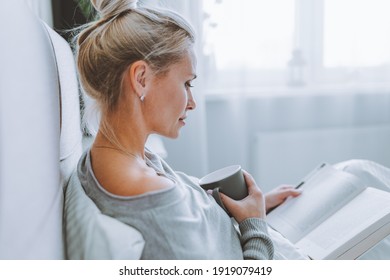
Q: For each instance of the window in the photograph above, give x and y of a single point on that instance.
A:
(268, 28)
(250, 37)
(358, 36)
(255, 43)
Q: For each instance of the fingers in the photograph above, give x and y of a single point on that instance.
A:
(250, 182)
(292, 192)
(228, 202)
(231, 205)
(251, 206)
(288, 190)
(285, 187)
(256, 203)
(253, 189)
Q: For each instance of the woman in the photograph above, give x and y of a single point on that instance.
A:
(138, 64)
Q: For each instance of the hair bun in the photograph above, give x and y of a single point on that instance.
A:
(109, 8)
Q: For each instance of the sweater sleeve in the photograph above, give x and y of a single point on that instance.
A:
(255, 241)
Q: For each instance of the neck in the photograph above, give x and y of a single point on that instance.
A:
(120, 150)
(125, 127)
(128, 137)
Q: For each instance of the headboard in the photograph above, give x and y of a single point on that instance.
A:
(31, 197)
(44, 211)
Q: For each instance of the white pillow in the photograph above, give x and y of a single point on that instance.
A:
(89, 234)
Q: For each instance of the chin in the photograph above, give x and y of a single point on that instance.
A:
(175, 136)
(172, 135)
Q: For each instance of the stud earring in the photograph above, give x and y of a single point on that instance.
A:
(142, 97)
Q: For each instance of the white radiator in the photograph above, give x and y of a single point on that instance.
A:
(284, 157)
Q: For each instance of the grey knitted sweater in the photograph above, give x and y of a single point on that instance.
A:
(181, 222)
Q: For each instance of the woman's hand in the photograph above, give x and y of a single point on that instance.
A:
(278, 195)
(252, 206)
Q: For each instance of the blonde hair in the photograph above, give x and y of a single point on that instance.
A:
(122, 34)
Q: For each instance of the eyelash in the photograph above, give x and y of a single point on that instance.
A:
(188, 85)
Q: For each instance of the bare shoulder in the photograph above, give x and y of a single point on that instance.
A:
(128, 178)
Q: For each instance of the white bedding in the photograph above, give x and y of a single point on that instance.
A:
(372, 174)
(284, 249)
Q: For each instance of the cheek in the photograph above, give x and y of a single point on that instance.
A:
(182, 98)
(176, 100)
(183, 102)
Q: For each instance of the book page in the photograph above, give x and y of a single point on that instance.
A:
(351, 225)
(323, 194)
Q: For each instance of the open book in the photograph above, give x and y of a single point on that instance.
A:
(335, 217)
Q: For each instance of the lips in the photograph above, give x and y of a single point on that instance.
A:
(182, 120)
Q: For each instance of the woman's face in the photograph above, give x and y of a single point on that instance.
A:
(170, 98)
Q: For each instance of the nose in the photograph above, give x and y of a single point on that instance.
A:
(191, 104)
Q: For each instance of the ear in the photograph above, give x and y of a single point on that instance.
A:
(138, 72)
